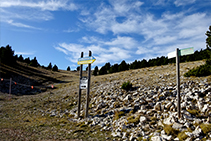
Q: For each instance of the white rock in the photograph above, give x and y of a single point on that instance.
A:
(168, 105)
(205, 108)
(157, 106)
(169, 120)
(196, 133)
(177, 125)
(124, 135)
(156, 138)
(131, 136)
(142, 119)
(128, 97)
(166, 137)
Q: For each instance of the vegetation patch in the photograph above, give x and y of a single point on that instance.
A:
(182, 136)
(206, 128)
(194, 112)
(170, 131)
(118, 114)
(203, 70)
(133, 119)
(126, 85)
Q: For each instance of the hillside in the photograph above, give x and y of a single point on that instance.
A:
(147, 112)
(26, 76)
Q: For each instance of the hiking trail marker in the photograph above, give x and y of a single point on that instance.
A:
(177, 53)
(85, 81)
(86, 60)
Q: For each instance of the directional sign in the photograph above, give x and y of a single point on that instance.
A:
(86, 60)
(186, 51)
(172, 54)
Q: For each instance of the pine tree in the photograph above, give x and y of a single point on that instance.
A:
(55, 68)
(68, 68)
(49, 66)
(208, 40)
(95, 71)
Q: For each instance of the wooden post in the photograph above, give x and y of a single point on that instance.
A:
(79, 94)
(88, 86)
(178, 82)
(10, 87)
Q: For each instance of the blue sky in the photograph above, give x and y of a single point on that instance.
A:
(57, 31)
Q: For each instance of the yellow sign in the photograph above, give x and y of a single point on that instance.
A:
(86, 60)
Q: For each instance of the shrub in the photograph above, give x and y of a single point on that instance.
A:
(118, 114)
(203, 70)
(126, 86)
(170, 131)
(133, 119)
(182, 136)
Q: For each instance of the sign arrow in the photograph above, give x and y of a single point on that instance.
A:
(86, 60)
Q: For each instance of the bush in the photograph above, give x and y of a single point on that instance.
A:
(126, 86)
(203, 70)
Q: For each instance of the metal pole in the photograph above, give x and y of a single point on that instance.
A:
(178, 82)
(79, 94)
(88, 86)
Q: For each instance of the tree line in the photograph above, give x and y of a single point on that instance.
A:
(7, 57)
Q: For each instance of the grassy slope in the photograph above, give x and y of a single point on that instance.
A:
(21, 117)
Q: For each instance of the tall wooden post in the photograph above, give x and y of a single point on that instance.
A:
(10, 88)
(88, 86)
(178, 82)
(79, 94)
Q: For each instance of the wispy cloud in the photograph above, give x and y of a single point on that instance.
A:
(51, 5)
(39, 10)
(24, 53)
(71, 30)
(11, 22)
(183, 2)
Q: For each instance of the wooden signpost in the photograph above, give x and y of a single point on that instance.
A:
(85, 81)
(177, 53)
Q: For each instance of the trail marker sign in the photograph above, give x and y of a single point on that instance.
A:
(86, 60)
(83, 83)
(186, 51)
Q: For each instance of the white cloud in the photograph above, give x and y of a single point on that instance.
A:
(124, 42)
(51, 5)
(11, 22)
(183, 2)
(71, 30)
(39, 10)
(24, 53)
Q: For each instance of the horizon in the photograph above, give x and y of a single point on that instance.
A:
(58, 31)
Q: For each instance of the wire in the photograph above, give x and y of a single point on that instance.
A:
(32, 87)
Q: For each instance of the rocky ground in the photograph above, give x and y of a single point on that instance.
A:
(146, 112)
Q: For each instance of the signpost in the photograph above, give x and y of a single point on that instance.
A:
(84, 81)
(177, 53)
